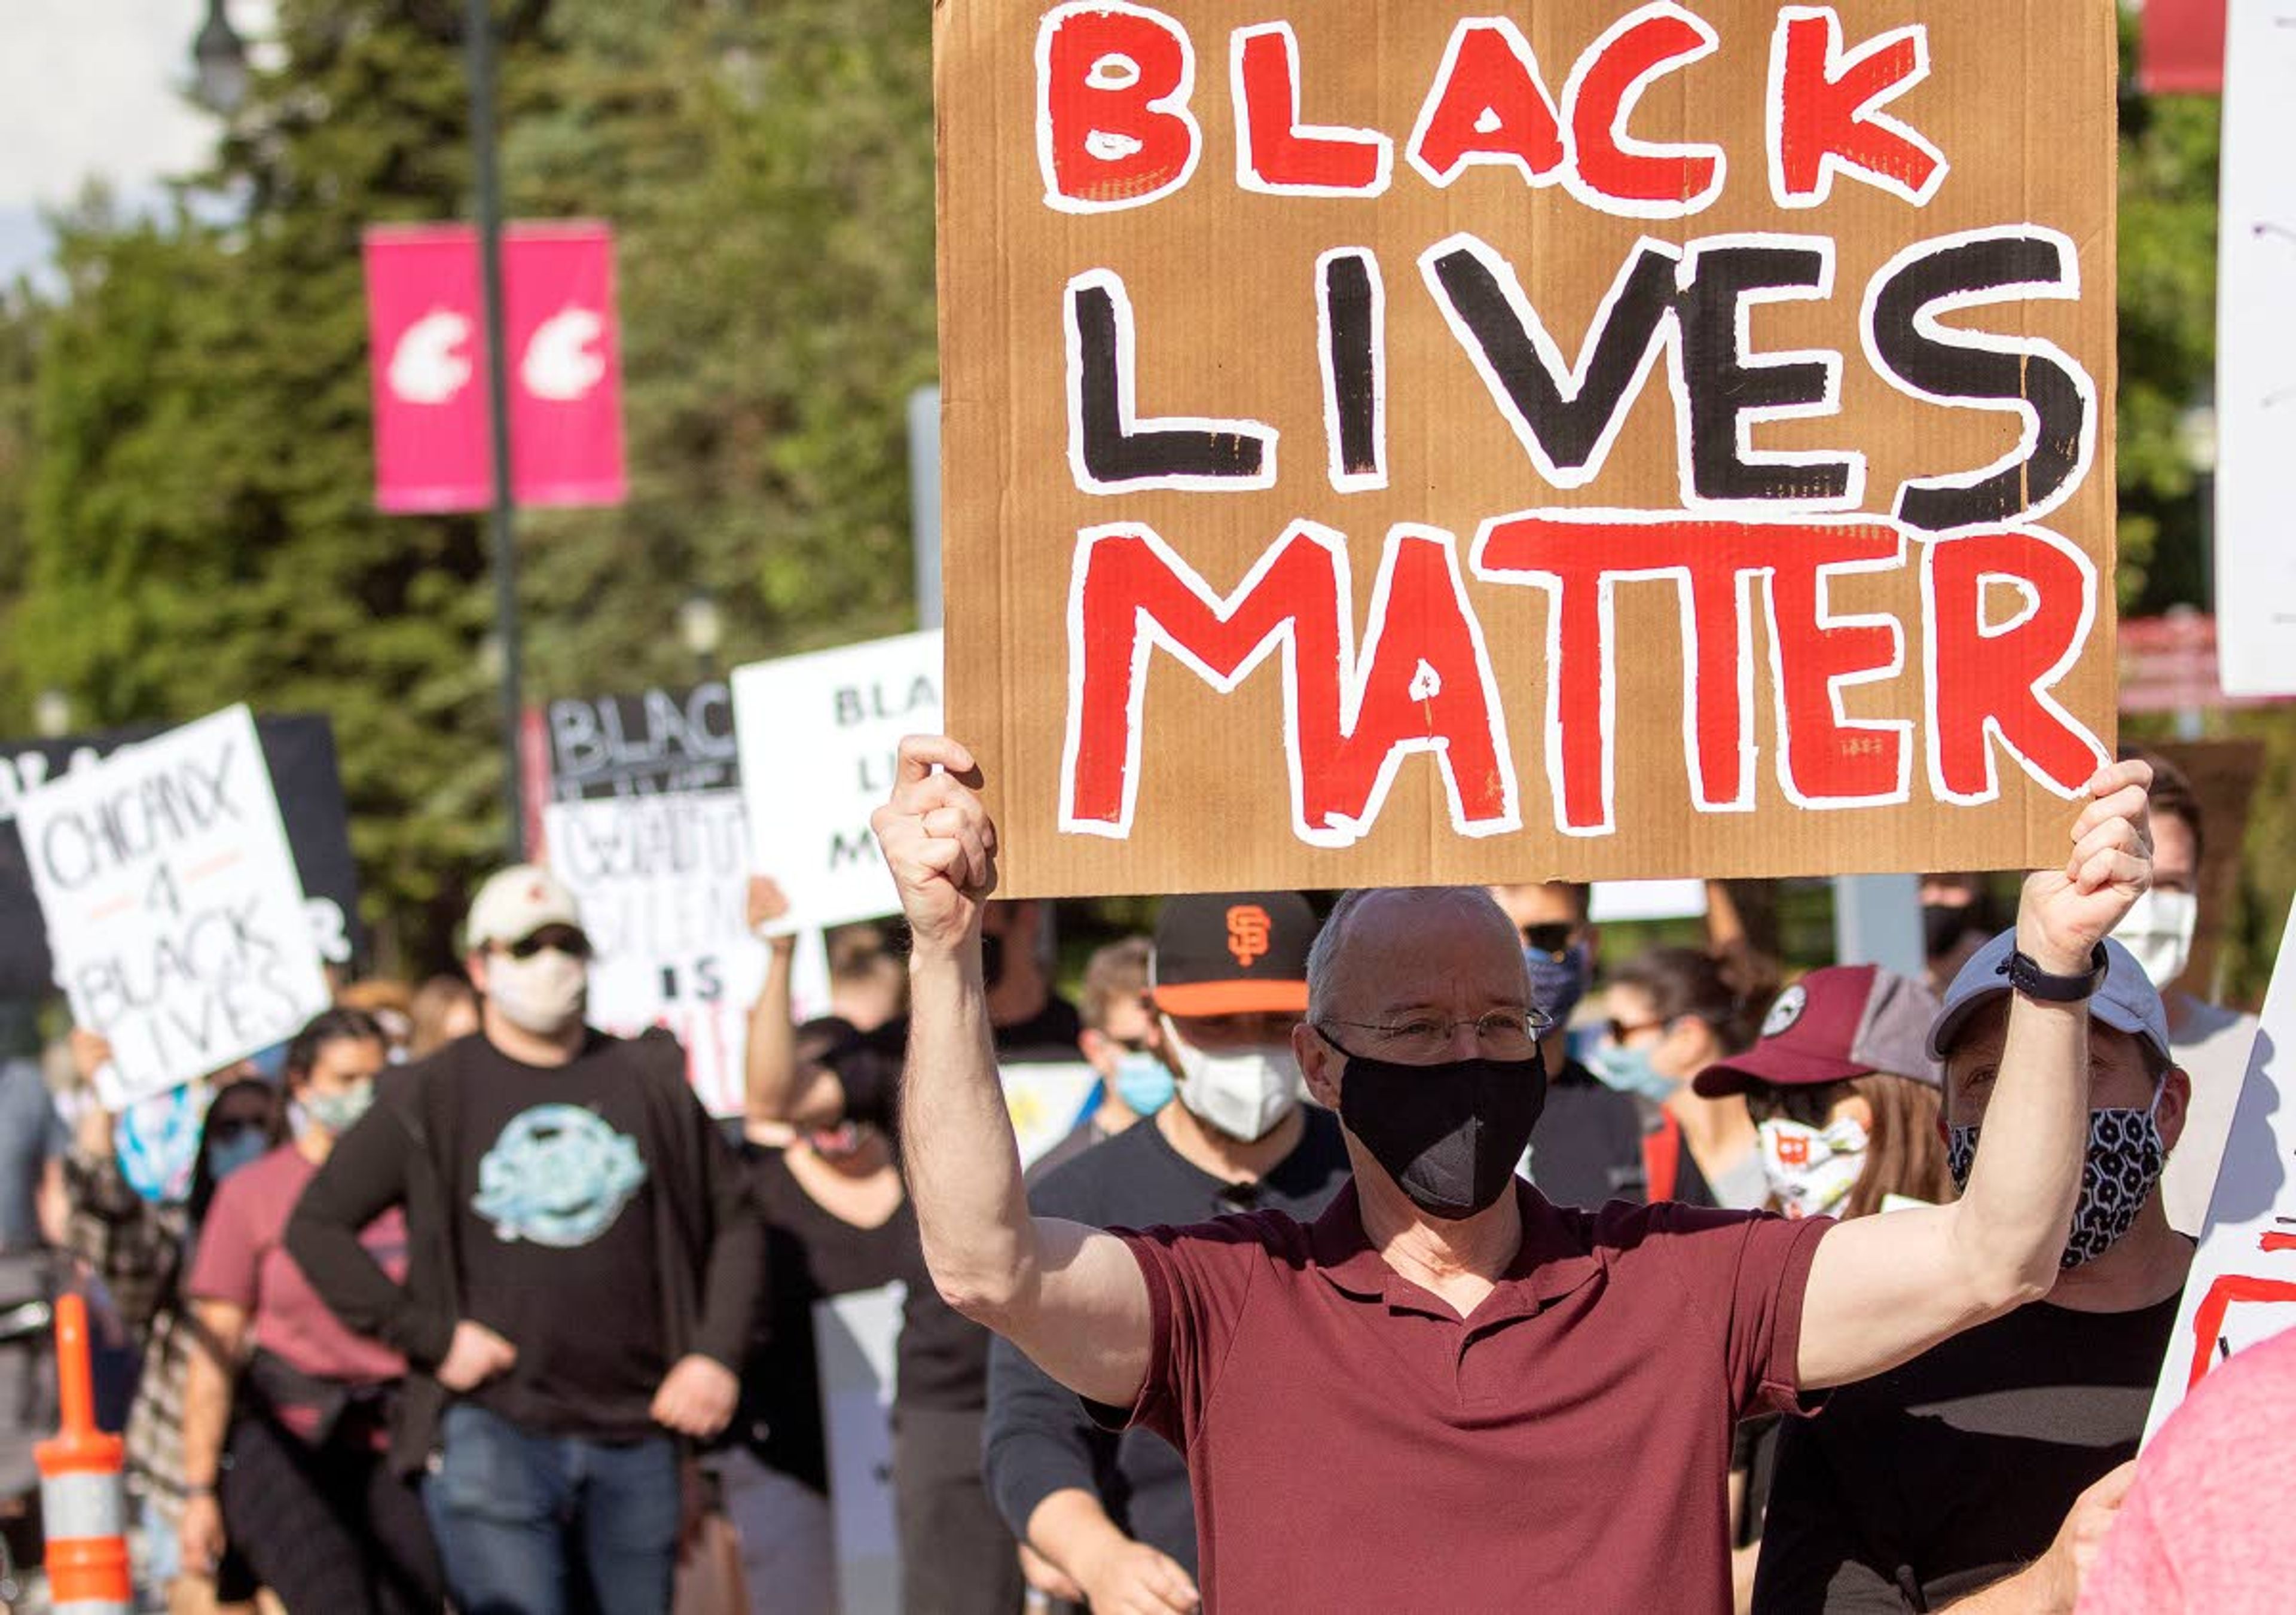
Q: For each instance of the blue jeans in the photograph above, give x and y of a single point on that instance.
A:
(514, 1513)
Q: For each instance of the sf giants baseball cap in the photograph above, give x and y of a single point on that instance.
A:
(2127, 1001)
(517, 902)
(1843, 1022)
(1239, 954)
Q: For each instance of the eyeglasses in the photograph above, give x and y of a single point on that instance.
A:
(1552, 940)
(1508, 1034)
(559, 938)
(1620, 1030)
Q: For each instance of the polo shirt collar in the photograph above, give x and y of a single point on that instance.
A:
(1552, 1260)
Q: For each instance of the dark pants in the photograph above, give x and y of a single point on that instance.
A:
(956, 1556)
(520, 1515)
(329, 1528)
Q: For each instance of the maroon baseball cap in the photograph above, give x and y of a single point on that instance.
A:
(1845, 1020)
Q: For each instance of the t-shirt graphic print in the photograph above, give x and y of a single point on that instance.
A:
(557, 1175)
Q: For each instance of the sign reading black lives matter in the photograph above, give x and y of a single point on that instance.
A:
(1395, 443)
(819, 735)
(173, 908)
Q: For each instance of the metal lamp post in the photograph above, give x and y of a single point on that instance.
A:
(219, 62)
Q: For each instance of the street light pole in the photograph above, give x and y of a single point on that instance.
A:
(479, 42)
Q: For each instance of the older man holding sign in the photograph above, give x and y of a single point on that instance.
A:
(1443, 1356)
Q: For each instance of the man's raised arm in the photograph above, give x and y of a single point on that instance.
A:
(1885, 1289)
(1071, 1296)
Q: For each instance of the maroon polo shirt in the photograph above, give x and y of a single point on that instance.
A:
(1354, 1444)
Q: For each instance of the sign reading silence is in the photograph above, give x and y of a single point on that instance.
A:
(1396, 443)
(173, 909)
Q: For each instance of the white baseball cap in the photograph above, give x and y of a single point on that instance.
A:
(517, 902)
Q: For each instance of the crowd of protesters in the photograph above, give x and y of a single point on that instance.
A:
(1410, 1254)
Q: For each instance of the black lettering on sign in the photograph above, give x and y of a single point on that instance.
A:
(142, 818)
(846, 851)
(1566, 416)
(1351, 306)
(1111, 450)
(1910, 345)
(1728, 390)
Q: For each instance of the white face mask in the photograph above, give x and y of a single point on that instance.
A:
(542, 995)
(1811, 1170)
(1244, 1093)
(2158, 929)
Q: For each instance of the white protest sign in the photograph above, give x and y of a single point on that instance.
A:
(663, 883)
(1046, 1099)
(2256, 354)
(2243, 1284)
(1623, 900)
(173, 908)
(818, 737)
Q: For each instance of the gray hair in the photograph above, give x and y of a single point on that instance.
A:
(1324, 957)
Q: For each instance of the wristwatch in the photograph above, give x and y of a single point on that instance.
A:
(2042, 987)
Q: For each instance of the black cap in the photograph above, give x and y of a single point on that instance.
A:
(1234, 954)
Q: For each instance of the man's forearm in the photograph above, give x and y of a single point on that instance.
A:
(2036, 1590)
(959, 1155)
(2027, 1177)
(207, 1368)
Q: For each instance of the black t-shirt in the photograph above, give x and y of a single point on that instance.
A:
(1958, 1468)
(810, 1254)
(553, 1221)
(1587, 1148)
(943, 1360)
(1039, 1439)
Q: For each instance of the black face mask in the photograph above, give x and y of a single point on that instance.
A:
(992, 961)
(1943, 924)
(1448, 1135)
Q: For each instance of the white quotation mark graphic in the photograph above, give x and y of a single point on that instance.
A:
(427, 366)
(558, 365)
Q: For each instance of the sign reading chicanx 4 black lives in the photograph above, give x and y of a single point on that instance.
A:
(1688, 425)
(298, 754)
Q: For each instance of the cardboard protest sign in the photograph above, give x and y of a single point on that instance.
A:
(818, 736)
(641, 745)
(663, 882)
(2256, 354)
(299, 752)
(1688, 425)
(173, 909)
(2242, 1283)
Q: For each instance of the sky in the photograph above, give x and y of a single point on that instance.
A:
(93, 89)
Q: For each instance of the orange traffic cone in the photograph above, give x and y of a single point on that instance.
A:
(81, 1498)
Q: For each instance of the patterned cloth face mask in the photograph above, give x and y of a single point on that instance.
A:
(1811, 1170)
(2125, 1159)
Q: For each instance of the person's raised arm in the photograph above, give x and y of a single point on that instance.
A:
(780, 1087)
(1071, 1296)
(1885, 1289)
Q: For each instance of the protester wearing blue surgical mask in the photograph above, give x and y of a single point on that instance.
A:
(1674, 1011)
(1124, 1047)
(1200, 1044)
(1588, 1147)
(1952, 1476)
(297, 1401)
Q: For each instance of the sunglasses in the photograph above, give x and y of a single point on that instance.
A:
(559, 938)
(1811, 1104)
(1620, 1030)
(1552, 939)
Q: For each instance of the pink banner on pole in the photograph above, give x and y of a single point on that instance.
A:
(428, 350)
(2183, 49)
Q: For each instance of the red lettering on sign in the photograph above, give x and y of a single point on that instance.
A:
(1488, 105)
(1824, 760)
(1616, 172)
(1422, 682)
(1824, 110)
(1990, 680)
(1113, 127)
(1274, 152)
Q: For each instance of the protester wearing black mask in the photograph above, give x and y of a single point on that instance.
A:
(1409, 1369)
